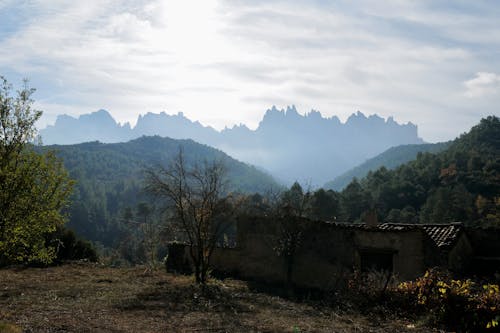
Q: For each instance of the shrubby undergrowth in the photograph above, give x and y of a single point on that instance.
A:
(461, 305)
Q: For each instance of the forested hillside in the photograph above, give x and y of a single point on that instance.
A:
(391, 159)
(109, 179)
(461, 183)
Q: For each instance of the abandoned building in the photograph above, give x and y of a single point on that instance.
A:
(327, 252)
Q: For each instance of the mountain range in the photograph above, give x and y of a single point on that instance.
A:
(292, 147)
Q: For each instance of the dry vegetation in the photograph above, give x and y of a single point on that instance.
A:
(92, 298)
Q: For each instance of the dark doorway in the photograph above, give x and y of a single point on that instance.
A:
(376, 259)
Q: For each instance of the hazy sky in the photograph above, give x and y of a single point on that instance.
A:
(435, 63)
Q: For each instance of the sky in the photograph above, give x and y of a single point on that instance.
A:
(224, 62)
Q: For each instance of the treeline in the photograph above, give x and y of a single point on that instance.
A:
(390, 159)
(461, 183)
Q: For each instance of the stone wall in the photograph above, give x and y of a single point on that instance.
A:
(460, 255)
(328, 253)
(407, 247)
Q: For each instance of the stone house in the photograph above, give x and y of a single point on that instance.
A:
(329, 252)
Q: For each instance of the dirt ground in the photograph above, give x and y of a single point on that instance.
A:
(82, 297)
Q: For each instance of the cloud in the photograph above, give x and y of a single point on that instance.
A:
(224, 62)
(484, 83)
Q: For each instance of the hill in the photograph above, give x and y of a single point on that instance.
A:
(461, 183)
(110, 179)
(390, 159)
(292, 147)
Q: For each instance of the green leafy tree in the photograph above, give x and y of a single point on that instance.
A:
(325, 205)
(354, 201)
(34, 188)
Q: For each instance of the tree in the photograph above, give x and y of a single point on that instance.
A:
(34, 187)
(293, 207)
(325, 205)
(198, 205)
(141, 235)
(354, 200)
(150, 232)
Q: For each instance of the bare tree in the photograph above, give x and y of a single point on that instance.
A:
(199, 207)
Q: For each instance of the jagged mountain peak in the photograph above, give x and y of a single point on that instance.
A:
(292, 111)
(357, 117)
(239, 127)
(290, 145)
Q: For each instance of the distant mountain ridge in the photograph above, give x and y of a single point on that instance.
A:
(307, 148)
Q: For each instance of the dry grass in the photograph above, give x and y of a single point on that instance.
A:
(91, 298)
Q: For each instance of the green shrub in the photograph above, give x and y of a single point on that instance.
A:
(461, 305)
(69, 247)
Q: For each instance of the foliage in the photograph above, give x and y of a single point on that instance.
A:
(462, 305)
(34, 188)
(460, 183)
(321, 205)
(366, 289)
(390, 159)
(142, 241)
(69, 247)
(110, 180)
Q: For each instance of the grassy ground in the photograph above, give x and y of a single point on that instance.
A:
(91, 298)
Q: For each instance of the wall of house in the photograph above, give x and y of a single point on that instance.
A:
(326, 256)
(328, 253)
(407, 247)
(460, 255)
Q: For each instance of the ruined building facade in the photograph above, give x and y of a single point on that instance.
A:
(328, 252)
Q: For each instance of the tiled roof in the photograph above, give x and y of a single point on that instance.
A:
(378, 227)
(443, 235)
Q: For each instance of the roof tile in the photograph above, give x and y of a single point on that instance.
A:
(443, 235)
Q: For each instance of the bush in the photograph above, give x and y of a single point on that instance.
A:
(461, 305)
(371, 286)
(69, 247)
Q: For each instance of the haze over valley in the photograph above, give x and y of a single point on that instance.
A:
(292, 147)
